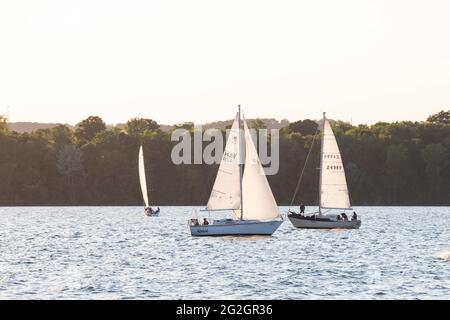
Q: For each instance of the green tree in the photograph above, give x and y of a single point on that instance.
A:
(305, 127)
(440, 117)
(61, 135)
(396, 159)
(341, 127)
(435, 157)
(69, 164)
(185, 125)
(137, 127)
(87, 129)
(258, 124)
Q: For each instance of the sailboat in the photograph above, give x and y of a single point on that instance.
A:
(333, 189)
(243, 191)
(143, 180)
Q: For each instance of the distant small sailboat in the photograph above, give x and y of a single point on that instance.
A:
(333, 189)
(247, 194)
(143, 180)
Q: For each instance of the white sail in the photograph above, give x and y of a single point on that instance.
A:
(258, 199)
(142, 178)
(226, 191)
(334, 190)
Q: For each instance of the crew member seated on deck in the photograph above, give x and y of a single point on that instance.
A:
(344, 216)
(355, 216)
(205, 222)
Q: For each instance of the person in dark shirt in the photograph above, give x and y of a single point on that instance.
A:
(302, 208)
(205, 222)
(355, 216)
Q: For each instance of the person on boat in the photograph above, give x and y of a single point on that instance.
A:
(296, 214)
(344, 216)
(157, 210)
(355, 216)
(147, 209)
(205, 222)
(339, 217)
(302, 208)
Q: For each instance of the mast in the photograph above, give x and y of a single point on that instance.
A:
(320, 168)
(240, 163)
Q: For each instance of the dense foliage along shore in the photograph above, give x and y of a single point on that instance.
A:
(401, 163)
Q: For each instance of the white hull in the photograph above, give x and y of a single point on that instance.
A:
(236, 228)
(151, 214)
(319, 224)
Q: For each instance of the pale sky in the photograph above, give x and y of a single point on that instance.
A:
(195, 60)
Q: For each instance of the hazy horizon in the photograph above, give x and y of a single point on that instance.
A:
(73, 124)
(175, 61)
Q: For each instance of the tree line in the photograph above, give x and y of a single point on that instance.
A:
(401, 163)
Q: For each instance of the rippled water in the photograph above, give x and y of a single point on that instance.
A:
(117, 253)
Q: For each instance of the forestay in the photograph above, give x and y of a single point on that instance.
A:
(259, 202)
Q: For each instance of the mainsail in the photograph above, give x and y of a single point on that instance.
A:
(226, 192)
(259, 202)
(142, 178)
(333, 188)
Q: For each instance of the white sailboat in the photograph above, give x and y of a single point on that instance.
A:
(333, 189)
(143, 180)
(245, 192)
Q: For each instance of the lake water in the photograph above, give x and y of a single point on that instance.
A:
(117, 253)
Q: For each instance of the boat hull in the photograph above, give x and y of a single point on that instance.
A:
(236, 228)
(152, 214)
(323, 224)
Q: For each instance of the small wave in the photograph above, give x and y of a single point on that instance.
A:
(444, 255)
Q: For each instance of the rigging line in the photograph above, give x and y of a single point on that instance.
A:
(304, 167)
